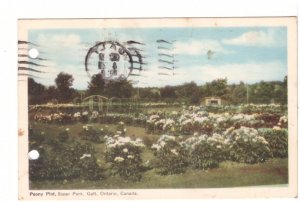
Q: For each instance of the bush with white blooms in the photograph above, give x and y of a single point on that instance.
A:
(204, 151)
(124, 156)
(171, 156)
(245, 145)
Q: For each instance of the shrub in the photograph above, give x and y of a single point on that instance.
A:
(205, 152)
(94, 116)
(91, 134)
(246, 145)
(65, 162)
(278, 141)
(283, 122)
(88, 168)
(269, 119)
(151, 123)
(34, 137)
(84, 117)
(170, 155)
(64, 136)
(121, 130)
(124, 155)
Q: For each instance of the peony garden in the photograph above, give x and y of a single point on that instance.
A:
(159, 146)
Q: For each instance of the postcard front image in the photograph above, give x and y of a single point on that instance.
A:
(122, 108)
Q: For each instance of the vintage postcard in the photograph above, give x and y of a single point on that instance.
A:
(160, 108)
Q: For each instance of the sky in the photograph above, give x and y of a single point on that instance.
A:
(201, 54)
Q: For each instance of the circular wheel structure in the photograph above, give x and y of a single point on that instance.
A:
(111, 59)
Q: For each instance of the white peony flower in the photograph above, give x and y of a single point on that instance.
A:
(119, 159)
(276, 128)
(174, 152)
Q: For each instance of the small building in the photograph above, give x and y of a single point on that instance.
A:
(213, 101)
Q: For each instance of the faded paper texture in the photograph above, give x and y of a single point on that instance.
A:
(133, 108)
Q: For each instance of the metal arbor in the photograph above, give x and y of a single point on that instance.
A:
(96, 103)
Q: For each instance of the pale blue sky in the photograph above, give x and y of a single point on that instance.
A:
(248, 54)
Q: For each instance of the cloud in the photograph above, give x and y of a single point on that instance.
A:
(199, 47)
(256, 38)
(58, 41)
(247, 72)
(52, 69)
(62, 50)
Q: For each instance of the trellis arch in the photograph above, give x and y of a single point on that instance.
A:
(96, 101)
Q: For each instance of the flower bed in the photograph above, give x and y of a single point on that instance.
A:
(171, 156)
(245, 145)
(124, 156)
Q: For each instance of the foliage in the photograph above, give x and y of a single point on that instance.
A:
(168, 92)
(217, 87)
(35, 92)
(92, 134)
(121, 130)
(171, 156)
(118, 89)
(63, 161)
(96, 85)
(63, 83)
(64, 136)
(245, 145)
(269, 119)
(278, 141)
(124, 155)
(205, 152)
(189, 92)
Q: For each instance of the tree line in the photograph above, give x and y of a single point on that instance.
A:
(190, 93)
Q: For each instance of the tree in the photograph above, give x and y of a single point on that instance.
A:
(285, 90)
(35, 92)
(119, 89)
(51, 93)
(238, 93)
(261, 92)
(151, 94)
(63, 83)
(168, 92)
(189, 92)
(96, 85)
(217, 87)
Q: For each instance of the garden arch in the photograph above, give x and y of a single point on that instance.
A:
(96, 103)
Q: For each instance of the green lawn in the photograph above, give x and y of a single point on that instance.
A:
(229, 174)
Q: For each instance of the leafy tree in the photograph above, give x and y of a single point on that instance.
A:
(285, 90)
(261, 92)
(63, 83)
(151, 94)
(35, 92)
(51, 93)
(189, 92)
(238, 93)
(217, 87)
(119, 89)
(168, 92)
(96, 85)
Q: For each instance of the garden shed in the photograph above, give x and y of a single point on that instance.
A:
(213, 101)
